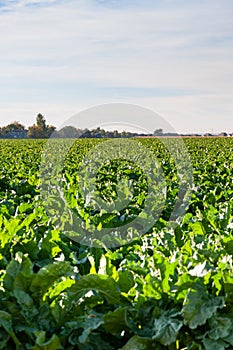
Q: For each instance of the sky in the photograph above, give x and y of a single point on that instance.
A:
(175, 57)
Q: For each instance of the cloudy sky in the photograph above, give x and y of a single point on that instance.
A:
(172, 56)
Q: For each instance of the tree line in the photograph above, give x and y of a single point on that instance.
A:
(40, 130)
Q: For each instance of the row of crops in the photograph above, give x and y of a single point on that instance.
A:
(171, 288)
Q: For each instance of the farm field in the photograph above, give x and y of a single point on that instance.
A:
(171, 288)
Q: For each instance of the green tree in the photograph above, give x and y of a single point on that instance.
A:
(40, 130)
(12, 127)
(41, 122)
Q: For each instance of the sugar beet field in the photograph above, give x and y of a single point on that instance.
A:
(168, 288)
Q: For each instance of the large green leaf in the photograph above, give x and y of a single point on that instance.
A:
(47, 275)
(210, 344)
(115, 321)
(199, 307)
(166, 329)
(103, 285)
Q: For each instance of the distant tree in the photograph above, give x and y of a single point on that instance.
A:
(95, 132)
(40, 130)
(35, 132)
(103, 133)
(86, 133)
(158, 132)
(16, 126)
(41, 122)
(50, 130)
(123, 134)
(109, 134)
(12, 127)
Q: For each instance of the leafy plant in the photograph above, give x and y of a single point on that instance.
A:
(169, 289)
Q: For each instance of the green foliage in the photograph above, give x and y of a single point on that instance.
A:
(40, 130)
(170, 289)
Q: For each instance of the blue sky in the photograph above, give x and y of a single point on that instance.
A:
(173, 56)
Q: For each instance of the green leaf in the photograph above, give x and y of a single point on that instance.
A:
(198, 228)
(138, 343)
(166, 329)
(11, 272)
(58, 288)
(5, 320)
(211, 344)
(48, 275)
(221, 327)
(199, 307)
(229, 338)
(18, 273)
(4, 339)
(89, 324)
(125, 280)
(25, 302)
(11, 228)
(42, 344)
(6, 324)
(105, 286)
(115, 321)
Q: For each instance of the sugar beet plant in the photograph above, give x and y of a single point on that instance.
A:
(170, 288)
